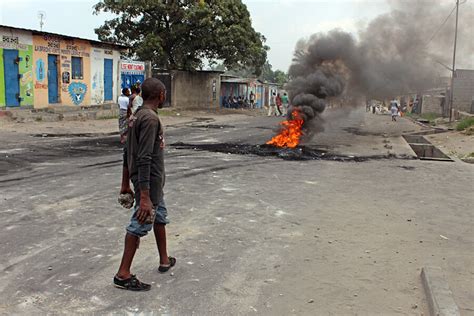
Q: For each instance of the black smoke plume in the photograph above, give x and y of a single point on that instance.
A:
(396, 53)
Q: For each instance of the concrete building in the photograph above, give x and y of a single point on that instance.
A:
(191, 89)
(41, 69)
(463, 90)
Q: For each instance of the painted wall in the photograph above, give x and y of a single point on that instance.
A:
(131, 72)
(98, 55)
(72, 91)
(243, 89)
(21, 41)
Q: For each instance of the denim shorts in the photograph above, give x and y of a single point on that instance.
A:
(140, 230)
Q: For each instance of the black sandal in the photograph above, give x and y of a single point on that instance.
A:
(131, 284)
(165, 268)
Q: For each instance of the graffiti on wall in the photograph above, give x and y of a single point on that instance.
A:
(97, 87)
(39, 70)
(40, 74)
(77, 92)
(65, 72)
(25, 68)
(12, 42)
(52, 45)
(66, 77)
(74, 49)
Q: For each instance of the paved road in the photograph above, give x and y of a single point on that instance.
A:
(253, 234)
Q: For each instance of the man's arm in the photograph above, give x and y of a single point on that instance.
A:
(125, 188)
(148, 131)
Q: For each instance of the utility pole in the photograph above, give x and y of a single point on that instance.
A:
(454, 65)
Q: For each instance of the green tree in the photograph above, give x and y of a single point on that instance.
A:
(267, 73)
(276, 76)
(280, 77)
(181, 34)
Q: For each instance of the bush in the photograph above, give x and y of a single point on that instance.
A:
(465, 123)
(430, 116)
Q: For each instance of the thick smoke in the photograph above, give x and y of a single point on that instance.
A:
(396, 53)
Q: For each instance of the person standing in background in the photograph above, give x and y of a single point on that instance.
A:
(272, 107)
(286, 103)
(123, 102)
(394, 109)
(279, 104)
(252, 100)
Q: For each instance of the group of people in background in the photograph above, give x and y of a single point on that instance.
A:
(129, 102)
(278, 104)
(233, 102)
(394, 108)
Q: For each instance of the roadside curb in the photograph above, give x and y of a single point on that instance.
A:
(438, 294)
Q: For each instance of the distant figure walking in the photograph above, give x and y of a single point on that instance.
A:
(394, 110)
(286, 103)
(272, 107)
(279, 104)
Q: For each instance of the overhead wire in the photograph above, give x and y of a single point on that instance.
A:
(444, 22)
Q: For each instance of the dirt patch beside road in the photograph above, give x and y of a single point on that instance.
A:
(454, 144)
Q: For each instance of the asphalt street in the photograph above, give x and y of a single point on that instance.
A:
(253, 234)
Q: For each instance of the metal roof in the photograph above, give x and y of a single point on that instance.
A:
(239, 80)
(36, 32)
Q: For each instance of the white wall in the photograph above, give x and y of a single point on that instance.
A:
(97, 73)
(24, 37)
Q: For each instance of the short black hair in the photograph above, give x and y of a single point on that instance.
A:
(124, 90)
(151, 88)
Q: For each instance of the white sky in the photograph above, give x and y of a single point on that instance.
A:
(282, 22)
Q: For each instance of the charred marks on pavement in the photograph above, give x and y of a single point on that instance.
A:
(212, 126)
(300, 153)
(58, 150)
(359, 132)
(66, 135)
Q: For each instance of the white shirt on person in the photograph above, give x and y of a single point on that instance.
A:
(123, 101)
(136, 103)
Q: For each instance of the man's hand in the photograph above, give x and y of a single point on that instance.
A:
(126, 197)
(126, 194)
(145, 212)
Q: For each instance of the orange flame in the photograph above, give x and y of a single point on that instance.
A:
(290, 132)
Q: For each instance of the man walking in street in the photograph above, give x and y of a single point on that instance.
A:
(394, 109)
(272, 107)
(279, 104)
(144, 166)
(286, 103)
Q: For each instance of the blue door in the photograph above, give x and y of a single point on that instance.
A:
(53, 79)
(108, 82)
(12, 80)
(128, 80)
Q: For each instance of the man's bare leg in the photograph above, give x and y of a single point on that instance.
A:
(131, 245)
(160, 237)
